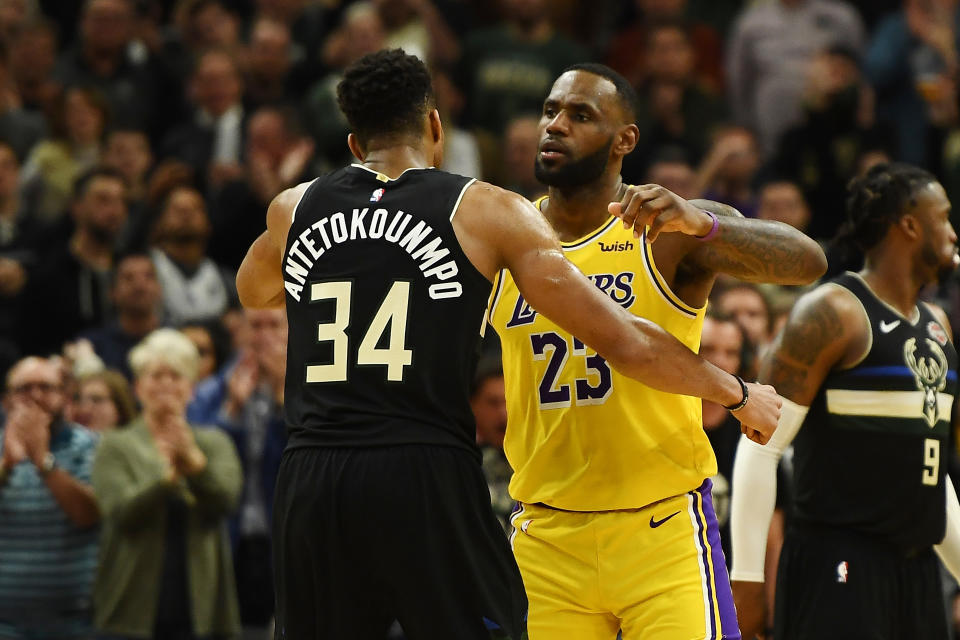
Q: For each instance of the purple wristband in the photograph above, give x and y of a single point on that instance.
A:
(713, 229)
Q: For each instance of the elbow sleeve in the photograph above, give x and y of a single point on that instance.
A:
(754, 494)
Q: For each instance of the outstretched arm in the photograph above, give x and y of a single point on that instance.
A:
(260, 277)
(498, 229)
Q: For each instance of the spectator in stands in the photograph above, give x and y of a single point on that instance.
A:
(69, 291)
(194, 286)
(309, 24)
(14, 14)
(360, 33)
(19, 127)
(674, 108)
(489, 404)
(509, 69)
(782, 201)
(912, 56)
(166, 489)
(54, 164)
(278, 156)
(33, 55)
(198, 26)
(628, 49)
(671, 169)
(820, 154)
(49, 514)
(520, 143)
(748, 305)
(417, 27)
(100, 59)
(268, 67)
(728, 172)
(767, 57)
(128, 152)
(137, 301)
(252, 414)
(211, 141)
(213, 344)
(461, 155)
(19, 235)
(103, 401)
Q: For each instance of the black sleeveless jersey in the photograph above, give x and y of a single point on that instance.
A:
(384, 312)
(872, 453)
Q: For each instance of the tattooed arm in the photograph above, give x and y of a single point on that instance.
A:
(757, 250)
(826, 330)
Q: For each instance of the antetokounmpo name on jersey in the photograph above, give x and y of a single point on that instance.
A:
(336, 229)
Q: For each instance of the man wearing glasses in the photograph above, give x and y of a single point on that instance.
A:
(48, 515)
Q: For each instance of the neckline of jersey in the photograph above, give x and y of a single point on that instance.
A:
(384, 177)
(581, 241)
(873, 293)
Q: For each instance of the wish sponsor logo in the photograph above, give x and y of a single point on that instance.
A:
(616, 246)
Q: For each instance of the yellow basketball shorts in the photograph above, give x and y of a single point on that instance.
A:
(656, 573)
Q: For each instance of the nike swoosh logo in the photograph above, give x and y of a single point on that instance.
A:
(656, 523)
(888, 327)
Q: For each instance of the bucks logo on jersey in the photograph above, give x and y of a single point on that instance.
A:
(929, 372)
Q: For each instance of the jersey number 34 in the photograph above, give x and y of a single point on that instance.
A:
(391, 316)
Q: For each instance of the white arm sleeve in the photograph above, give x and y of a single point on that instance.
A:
(949, 549)
(754, 493)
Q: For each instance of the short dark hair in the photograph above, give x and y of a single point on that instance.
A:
(876, 200)
(489, 367)
(122, 257)
(82, 183)
(625, 91)
(386, 94)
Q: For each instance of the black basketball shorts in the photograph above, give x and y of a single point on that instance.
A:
(365, 536)
(835, 584)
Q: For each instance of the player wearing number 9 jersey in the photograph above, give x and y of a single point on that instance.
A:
(616, 530)
(381, 509)
(869, 377)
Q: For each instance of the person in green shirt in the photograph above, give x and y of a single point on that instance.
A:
(165, 489)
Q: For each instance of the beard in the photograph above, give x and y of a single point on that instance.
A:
(575, 173)
(102, 234)
(931, 262)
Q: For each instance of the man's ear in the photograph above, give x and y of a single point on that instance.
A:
(626, 140)
(355, 147)
(910, 226)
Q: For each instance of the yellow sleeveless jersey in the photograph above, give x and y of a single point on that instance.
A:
(580, 436)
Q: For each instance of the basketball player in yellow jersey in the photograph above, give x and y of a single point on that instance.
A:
(615, 529)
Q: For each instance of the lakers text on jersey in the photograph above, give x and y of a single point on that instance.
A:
(580, 435)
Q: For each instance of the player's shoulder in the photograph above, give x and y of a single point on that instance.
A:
(281, 211)
(489, 200)
(829, 295)
(832, 308)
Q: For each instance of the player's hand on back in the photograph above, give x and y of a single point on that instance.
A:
(662, 210)
(760, 415)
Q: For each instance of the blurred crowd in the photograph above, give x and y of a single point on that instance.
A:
(141, 141)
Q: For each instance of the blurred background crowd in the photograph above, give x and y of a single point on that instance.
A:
(141, 141)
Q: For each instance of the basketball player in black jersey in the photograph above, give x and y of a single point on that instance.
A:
(381, 508)
(869, 375)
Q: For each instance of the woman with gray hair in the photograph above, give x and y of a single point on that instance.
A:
(165, 489)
